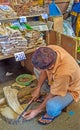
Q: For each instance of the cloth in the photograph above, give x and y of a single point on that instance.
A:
(78, 26)
(70, 5)
(75, 16)
(65, 75)
(55, 105)
(76, 7)
(73, 21)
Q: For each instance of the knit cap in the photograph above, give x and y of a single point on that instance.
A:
(44, 57)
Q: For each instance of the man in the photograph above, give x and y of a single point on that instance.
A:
(63, 74)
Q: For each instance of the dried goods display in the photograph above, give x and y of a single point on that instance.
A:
(24, 79)
(14, 103)
(16, 40)
(11, 97)
(29, 8)
(19, 38)
(7, 12)
(12, 41)
(13, 108)
(34, 38)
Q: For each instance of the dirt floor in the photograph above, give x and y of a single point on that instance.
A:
(69, 120)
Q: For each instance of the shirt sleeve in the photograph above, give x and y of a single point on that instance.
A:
(60, 86)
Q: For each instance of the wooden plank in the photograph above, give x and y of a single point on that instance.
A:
(17, 18)
(51, 38)
(58, 24)
(69, 44)
(2, 57)
(63, 6)
(29, 50)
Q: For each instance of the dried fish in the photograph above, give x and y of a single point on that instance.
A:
(12, 100)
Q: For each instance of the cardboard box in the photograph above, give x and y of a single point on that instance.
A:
(57, 23)
(68, 43)
(51, 37)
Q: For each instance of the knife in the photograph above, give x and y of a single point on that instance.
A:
(26, 108)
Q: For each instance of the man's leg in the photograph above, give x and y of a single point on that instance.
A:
(54, 108)
(55, 105)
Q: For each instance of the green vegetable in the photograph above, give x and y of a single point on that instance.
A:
(28, 26)
(14, 27)
(78, 49)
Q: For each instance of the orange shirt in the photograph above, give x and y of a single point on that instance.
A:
(65, 75)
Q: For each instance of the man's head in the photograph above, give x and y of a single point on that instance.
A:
(44, 57)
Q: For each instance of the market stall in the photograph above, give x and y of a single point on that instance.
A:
(24, 27)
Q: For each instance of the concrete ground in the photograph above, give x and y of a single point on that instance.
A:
(69, 120)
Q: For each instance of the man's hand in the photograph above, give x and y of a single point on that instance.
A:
(31, 114)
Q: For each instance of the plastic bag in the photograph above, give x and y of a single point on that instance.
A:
(67, 29)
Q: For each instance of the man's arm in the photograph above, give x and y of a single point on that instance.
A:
(43, 104)
(32, 113)
(42, 78)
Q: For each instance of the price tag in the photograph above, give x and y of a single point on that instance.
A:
(20, 56)
(23, 19)
(4, 7)
(44, 16)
